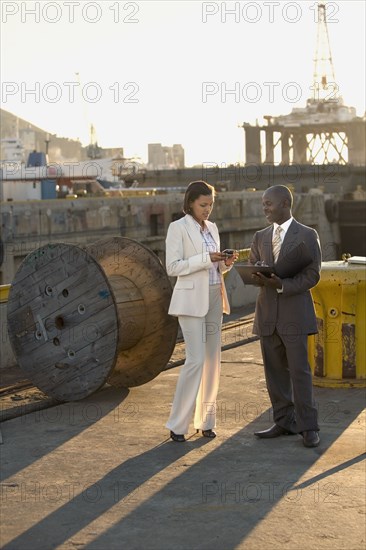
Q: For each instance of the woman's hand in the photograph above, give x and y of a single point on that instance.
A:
(230, 259)
(217, 256)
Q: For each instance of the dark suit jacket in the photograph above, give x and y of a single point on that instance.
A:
(291, 312)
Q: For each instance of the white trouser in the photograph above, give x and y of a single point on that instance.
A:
(198, 381)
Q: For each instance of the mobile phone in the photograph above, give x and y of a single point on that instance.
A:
(228, 252)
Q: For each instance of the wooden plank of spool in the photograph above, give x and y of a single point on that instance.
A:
(142, 292)
(62, 321)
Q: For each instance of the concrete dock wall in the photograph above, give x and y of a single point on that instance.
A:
(29, 225)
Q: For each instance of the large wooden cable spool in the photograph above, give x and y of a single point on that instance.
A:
(80, 317)
(142, 291)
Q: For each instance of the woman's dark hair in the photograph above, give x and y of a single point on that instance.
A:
(194, 190)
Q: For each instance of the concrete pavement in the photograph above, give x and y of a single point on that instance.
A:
(102, 474)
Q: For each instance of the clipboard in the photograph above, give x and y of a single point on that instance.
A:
(290, 263)
(246, 270)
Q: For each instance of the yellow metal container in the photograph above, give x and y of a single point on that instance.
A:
(337, 354)
(4, 293)
(243, 254)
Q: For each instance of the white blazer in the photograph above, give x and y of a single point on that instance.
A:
(187, 259)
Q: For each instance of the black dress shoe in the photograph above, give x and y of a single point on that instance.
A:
(311, 438)
(209, 433)
(177, 437)
(275, 431)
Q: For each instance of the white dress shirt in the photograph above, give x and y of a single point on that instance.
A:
(284, 226)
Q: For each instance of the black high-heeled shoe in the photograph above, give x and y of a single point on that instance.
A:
(177, 437)
(208, 433)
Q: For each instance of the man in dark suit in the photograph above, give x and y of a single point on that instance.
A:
(284, 317)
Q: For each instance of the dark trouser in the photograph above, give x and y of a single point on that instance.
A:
(289, 381)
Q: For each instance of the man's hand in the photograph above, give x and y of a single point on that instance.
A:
(261, 280)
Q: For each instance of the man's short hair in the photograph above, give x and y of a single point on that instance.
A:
(283, 192)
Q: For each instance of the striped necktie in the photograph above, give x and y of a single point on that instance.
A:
(276, 243)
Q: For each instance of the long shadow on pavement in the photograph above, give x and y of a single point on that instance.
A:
(219, 495)
(25, 434)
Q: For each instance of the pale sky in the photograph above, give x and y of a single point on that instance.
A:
(161, 72)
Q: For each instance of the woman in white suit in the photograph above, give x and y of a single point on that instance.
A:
(199, 300)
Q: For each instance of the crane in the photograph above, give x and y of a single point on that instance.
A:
(93, 151)
(324, 81)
